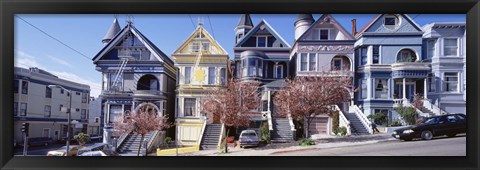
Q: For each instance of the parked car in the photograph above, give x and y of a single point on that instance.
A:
(99, 153)
(63, 150)
(96, 137)
(106, 148)
(449, 125)
(248, 138)
(38, 141)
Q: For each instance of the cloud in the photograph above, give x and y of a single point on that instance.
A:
(25, 60)
(60, 61)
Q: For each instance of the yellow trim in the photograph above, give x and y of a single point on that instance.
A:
(161, 152)
(190, 124)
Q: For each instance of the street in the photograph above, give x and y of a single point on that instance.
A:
(441, 146)
(43, 150)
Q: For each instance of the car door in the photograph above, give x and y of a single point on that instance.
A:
(453, 125)
(462, 123)
(442, 126)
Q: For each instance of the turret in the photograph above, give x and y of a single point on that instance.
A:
(112, 31)
(303, 22)
(244, 25)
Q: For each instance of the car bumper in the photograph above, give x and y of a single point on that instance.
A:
(249, 143)
(403, 136)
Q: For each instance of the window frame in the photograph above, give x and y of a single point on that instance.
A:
(24, 87)
(377, 54)
(195, 47)
(431, 48)
(309, 61)
(456, 46)
(302, 67)
(16, 86)
(320, 33)
(193, 111)
(188, 75)
(25, 110)
(364, 88)
(49, 111)
(363, 58)
(333, 64)
(83, 114)
(211, 75)
(266, 41)
(276, 71)
(48, 92)
(448, 82)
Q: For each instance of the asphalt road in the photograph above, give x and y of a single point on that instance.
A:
(441, 146)
(43, 150)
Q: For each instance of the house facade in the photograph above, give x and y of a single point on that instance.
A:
(202, 66)
(45, 108)
(262, 55)
(322, 46)
(135, 73)
(444, 44)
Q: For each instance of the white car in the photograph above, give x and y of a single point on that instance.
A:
(93, 153)
(248, 138)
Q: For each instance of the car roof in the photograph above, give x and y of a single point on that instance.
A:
(248, 131)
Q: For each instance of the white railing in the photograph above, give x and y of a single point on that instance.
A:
(122, 138)
(152, 139)
(436, 110)
(202, 131)
(343, 121)
(269, 120)
(366, 123)
(290, 121)
(222, 133)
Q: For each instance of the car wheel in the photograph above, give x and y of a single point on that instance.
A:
(427, 135)
(451, 135)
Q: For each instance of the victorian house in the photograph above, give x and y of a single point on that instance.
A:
(262, 55)
(135, 73)
(201, 65)
(444, 44)
(323, 47)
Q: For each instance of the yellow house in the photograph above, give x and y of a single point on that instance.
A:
(201, 65)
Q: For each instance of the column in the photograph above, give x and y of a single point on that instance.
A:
(404, 90)
(425, 88)
(369, 88)
(369, 54)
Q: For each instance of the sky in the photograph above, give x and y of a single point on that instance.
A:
(65, 44)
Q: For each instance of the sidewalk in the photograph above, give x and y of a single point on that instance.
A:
(273, 149)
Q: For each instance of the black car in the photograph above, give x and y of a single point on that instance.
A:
(449, 125)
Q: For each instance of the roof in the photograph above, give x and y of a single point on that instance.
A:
(414, 24)
(339, 27)
(245, 20)
(302, 17)
(200, 29)
(112, 31)
(255, 29)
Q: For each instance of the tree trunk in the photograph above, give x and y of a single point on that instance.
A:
(140, 146)
(226, 136)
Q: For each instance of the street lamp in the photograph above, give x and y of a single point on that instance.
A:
(69, 112)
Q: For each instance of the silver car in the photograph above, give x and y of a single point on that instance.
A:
(248, 138)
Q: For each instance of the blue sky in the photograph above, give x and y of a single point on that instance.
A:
(84, 32)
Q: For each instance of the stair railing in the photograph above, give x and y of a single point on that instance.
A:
(222, 134)
(366, 123)
(427, 103)
(202, 131)
(343, 121)
(122, 138)
(269, 120)
(153, 140)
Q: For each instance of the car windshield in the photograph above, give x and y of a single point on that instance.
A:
(249, 134)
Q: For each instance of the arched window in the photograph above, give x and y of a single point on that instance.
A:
(340, 63)
(406, 55)
(148, 82)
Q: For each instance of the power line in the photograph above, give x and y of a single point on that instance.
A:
(191, 20)
(213, 33)
(83, 55)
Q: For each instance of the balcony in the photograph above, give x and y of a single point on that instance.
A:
(147, 94)
(410, 70)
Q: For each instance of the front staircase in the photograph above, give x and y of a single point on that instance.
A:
(426, 111)
(131, 143)
(356, 126)
(211, 136)
(281, 130)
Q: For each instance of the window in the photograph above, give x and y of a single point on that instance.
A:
(115, 111)
(223, 73)
(324, 34)
(84, 97)
(205, 46)
(77, 93)
(47, 111)
(431, 82)
(97, 120)
(195, 47)
(364, 88)
(15, 86)
(265, 105)
(164, 107)
(23, 109)
(83, 114)
(48, 92)
(363, 55)
(278, 71)
(15, 108)
(200, 35)
(451, 82)
(450, 47)
(376, 54)
(189, 107)
(262, 41)
(61, 91)
(303, 62)
(188, 72)
(252, 67)
(211, 75)
(391, 21)
(313, 63)
(337, 64)
(406, 55)
(430, 48)
(60, 107)
(381, 88)
(24, 87)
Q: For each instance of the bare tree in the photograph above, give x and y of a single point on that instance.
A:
(306, 97)
(143, 121)
(233, 104)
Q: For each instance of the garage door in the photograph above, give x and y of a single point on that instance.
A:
(318, 126)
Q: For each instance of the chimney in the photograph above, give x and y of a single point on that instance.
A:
(354, 27)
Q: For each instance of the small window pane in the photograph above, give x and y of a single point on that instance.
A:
(323, 34)
(261, 41)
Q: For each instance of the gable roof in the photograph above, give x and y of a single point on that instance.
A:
(335, 23)
(118, 37)
(200, 29)
(374, 20)
(256, 28)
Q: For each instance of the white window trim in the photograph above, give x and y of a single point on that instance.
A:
(379, 54)
(444, 88)
(185, 75)
(193, 45)
(319, 33)
(308, 61)
(434, 47)
(300, 62)
(214, 76)
(458, 46)
(275, 72)
(266, 41)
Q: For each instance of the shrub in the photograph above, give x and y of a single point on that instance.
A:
(336, 131)
(408, 114)
(306, 142)
(167, 140)
(396, 123)
(378, 118)
(265, 133)
(342, 130)
(82, 138)
(335, 121)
